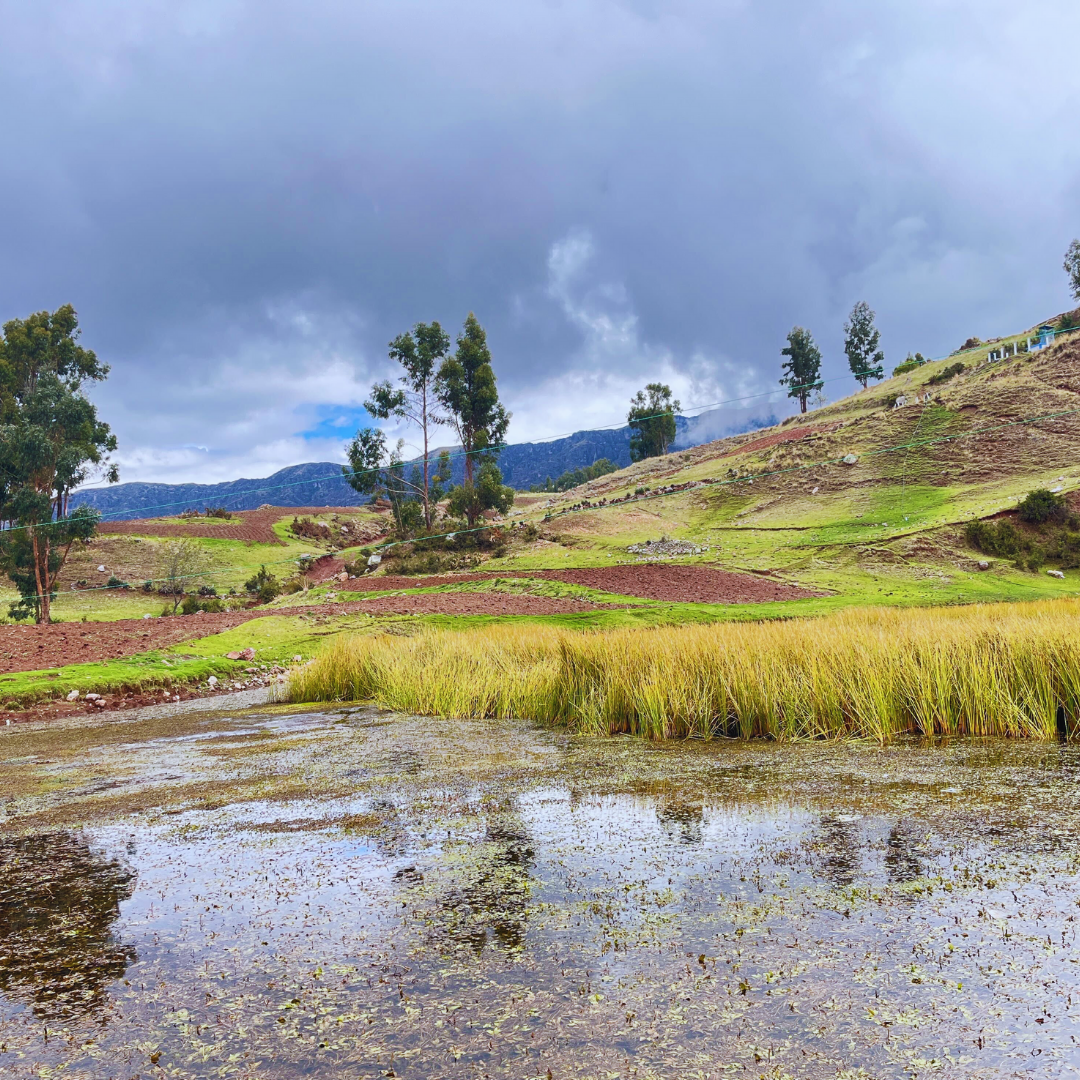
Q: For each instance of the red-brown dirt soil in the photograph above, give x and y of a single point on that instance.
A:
(469, 603)
(34, 648)
(253, 525)
(681, 583)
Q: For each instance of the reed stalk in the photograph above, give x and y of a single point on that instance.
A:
(988, 670)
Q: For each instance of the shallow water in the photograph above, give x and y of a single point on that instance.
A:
(277, 893)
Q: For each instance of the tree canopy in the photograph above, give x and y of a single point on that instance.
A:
(419, 352)
(1072, 268)
(50, 439)
(802, 368)
(652, 421)
(861, 339)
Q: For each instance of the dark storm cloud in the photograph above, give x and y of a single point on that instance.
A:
(246, 201)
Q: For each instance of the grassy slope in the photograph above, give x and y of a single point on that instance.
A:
(882, 531)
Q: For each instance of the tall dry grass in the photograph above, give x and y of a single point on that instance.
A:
(1003, 669)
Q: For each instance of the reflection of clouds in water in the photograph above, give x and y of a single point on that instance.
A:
(58, 904)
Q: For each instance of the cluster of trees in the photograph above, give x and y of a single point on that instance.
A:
(573, 477)
(456, 389)
(50, 441)
(802, 368)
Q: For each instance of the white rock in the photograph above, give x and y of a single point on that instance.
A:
(101, 569)
(212, 681)
(148, 616)
(1056, 573)
(374, 560)
(983, 564)
(73, 696)
(814, 492)
(1054, 491)
(92, 697)
(297, 658)
(849, 459)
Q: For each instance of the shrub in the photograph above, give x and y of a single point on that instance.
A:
(269, 590)
(910, 364)
(115, 583)
(218, 512)
(997, 538)
(148, 587)
(1041, 506)
(971, 343)
(214, 605)
(190, 605)
(945, 374)
(207, 590)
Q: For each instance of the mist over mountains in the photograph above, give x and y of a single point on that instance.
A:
(320, 483)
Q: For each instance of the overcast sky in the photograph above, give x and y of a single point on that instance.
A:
(246, 200)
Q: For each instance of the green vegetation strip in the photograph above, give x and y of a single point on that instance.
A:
(872, 673)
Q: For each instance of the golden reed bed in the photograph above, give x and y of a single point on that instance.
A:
(1002, 669)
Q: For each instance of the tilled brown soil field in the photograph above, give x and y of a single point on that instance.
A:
(470, 603)
(679, 583)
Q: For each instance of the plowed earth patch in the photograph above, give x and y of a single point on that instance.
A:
(679, 583)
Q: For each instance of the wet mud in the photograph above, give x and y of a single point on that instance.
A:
(188, 892)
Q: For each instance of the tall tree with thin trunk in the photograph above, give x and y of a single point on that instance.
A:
(420, 352)
(861, 340)
(652, 420)
(802, 368)
(466, 389)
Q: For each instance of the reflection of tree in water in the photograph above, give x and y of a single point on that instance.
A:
(902, 861)
(488, 903)
(837, 842)
(682, 821)
(58, 904)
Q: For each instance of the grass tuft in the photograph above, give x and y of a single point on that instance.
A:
(987, 670)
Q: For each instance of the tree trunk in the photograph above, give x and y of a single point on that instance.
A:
(424, 425)
(802, 403)
(40, 547)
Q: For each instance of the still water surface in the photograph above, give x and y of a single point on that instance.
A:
(351, 893)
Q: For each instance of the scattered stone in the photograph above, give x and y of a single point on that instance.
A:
(374, 560)
(232, 656)
(297, 658)
(101, 569)
(983, 564)
(92, 697)
(343, 576)
(212, 681)
(247, 654)
(665, 548)
(73, 696)
(148, 616)
(99, 703)
(849, 459)
(1056, 573)
(815, 491)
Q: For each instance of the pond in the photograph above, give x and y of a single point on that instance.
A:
(279, 893)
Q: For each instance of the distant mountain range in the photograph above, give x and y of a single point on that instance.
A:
(320, 483)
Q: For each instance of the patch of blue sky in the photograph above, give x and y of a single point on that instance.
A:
(337, 422)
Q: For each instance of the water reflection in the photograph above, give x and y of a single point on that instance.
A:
(59, 902)
(902, 859)
(488, 902)
(682, 821)
(836, 842)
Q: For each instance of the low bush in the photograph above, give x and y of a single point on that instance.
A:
(148, 587)
(207, 590)
(218, 512)
(190, 605)
(1041, 506)
(945, 374)
(116, 583)
(910, 364)
(214, 605)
